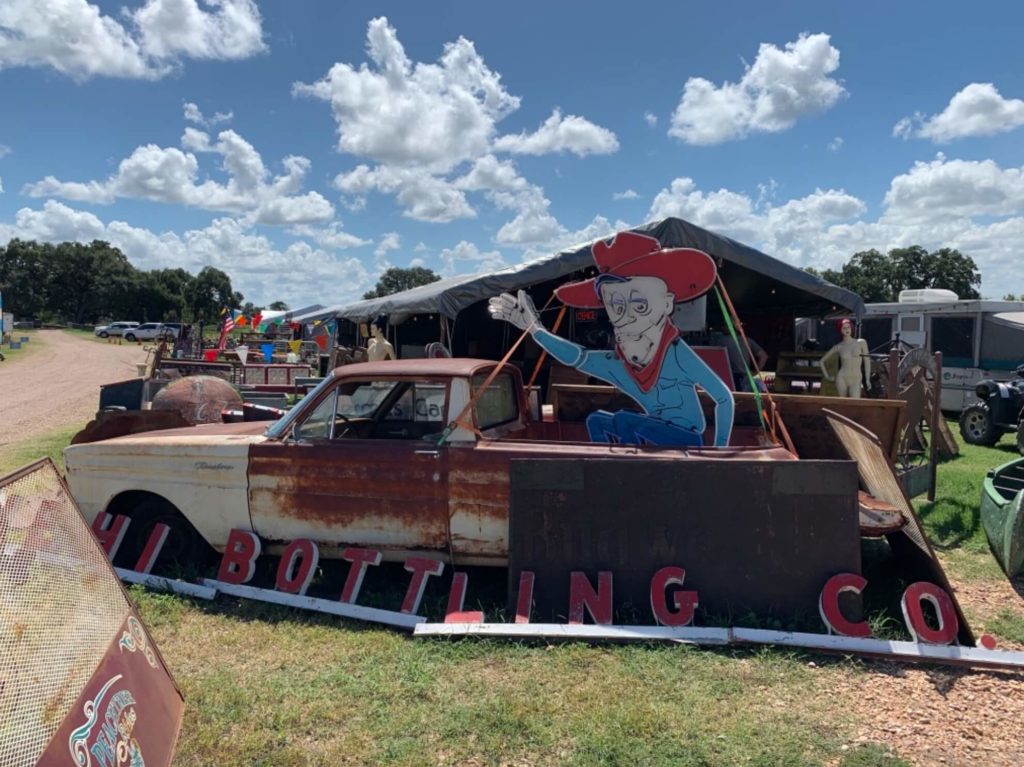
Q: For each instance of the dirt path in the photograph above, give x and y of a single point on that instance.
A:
(59, 384)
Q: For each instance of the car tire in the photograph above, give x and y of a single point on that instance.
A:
(184, 547)
(103, 334)
(1020, 437)
(129, 336)
(977, 426)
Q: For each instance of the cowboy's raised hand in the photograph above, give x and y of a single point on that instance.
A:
(520, 310)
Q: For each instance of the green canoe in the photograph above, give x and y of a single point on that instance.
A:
(1002, 515)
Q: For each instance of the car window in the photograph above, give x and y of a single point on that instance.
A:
(498, 403)
(319, 423)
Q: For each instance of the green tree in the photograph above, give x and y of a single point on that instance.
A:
(23, 278)
(1012, 297)
(879, 278)
(397, 279)
(209, 293)
(278, 306)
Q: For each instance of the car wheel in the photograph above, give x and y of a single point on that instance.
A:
(129, 336)
(184, 546)
(977, 426)
(1020, 437)
(104, 334)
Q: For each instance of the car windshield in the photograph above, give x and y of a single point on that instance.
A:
(280, 427)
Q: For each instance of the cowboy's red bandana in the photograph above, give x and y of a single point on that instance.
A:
(647, 375)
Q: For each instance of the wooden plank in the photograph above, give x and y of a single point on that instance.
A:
(681, 634)
(166, 584)
(331, 607)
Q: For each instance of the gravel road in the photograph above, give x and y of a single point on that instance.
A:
(59, 385)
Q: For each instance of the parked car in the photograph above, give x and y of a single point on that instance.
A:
(114, 329)
(358, 462)
(149, 331)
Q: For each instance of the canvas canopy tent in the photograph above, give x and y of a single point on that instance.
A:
(756, 282)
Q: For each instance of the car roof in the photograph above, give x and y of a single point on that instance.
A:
(445, 366)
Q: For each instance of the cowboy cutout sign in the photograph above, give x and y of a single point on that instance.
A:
(638, 285)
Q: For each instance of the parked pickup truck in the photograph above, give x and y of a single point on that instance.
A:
(358, 462)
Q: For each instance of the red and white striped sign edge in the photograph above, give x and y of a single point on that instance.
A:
(909, 651)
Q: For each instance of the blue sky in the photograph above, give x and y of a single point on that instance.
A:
(303, 146)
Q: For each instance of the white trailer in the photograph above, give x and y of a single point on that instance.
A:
(978, 338)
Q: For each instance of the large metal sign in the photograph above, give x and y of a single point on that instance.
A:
(81, 682)
(753, 536)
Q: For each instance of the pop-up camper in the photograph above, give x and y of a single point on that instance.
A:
(978, 338)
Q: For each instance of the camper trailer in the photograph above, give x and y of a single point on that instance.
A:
(978, 338)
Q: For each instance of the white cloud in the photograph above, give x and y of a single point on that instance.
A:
(425, 197)
(421, 247)
(77, 39)
(56, 222)
(977, 110)
(171, 28)
(466, 258)
(557, 134)
(194, 115)
(390, 241)
(170, 175)
(945, 203)
(943, 189)
(835, 144)
(4, 151)
(780, 87)
(264, 272)
(417, 262)
(651, 119)
(1, 186)
(331, 236)
(629, 194)
(414, 115)
(425, 133)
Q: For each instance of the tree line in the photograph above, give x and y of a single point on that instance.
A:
(82, 283)
(878, 277)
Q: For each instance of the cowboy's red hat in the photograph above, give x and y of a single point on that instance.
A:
(687, 272)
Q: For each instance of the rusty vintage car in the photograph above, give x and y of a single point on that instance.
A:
(360, 461)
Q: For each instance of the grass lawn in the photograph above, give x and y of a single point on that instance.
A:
(270, 686)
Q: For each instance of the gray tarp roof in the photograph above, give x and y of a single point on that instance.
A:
(753, 279)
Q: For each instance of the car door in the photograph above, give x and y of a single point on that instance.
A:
(355, 471)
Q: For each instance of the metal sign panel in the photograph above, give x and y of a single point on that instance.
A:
(78, 673)
(752, 536)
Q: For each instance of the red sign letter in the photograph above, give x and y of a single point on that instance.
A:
(914, 615)
(828, 605)
(359, 558)
(582, 595)
(685, 602)
(524, 604)
(110, 532)
(457, 599)
(149, 554)
(238, 564)
(288, 579)
(421, 568)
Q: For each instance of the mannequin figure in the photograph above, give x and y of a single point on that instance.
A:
(853, 357)
(379, 348)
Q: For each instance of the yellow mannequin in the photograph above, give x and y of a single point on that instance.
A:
(853, 354)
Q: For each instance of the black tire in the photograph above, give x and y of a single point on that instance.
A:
(104, 334)
(129, 336)
(977, 426)
(1020, 437)
(184, 546)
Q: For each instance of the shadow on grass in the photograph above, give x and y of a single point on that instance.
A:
(950, 522)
